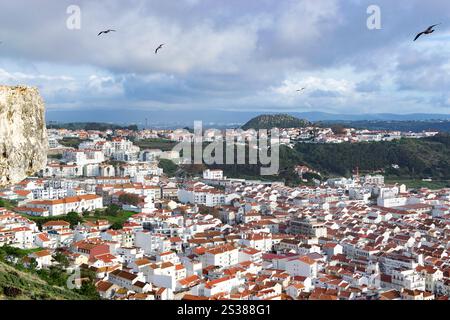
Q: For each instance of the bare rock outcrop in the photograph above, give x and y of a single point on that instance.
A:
(23, 133)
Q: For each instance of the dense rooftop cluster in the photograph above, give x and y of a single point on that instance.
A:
(212, 237)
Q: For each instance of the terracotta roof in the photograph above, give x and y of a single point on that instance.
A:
(42, 253)
(104, 286)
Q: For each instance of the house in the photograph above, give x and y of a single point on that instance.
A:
(166, 274)
(152, 243)
(302, 266)
(124, 279)
(163, 294)
(140, 265)
(416, 295)
(222, 285)
(43, 241)
(43, 259)
(130, 254)
(331, 249)
(259, 241)
(168, 256)
(250, 254)
(294, 290)
(57, 225)
(104, 260)
(106, 289)
(221, 256)
(142, 287)
(90, 247)
(188, 283)
(213, 174)
(390, 295)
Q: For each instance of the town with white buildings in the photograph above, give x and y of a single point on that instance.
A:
(211, 237)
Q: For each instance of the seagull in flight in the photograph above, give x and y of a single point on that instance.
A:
(428, 31)
(106, 31)
(159, 48)
(299, 90)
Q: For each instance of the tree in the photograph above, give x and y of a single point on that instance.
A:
(112, 210)
(12, 292)
(97, 212)
(168, 166)
(61, 259)
(73, 218)
(338, 129)
(128, 198)
(117, 226)
(32, 264)
(89, 290)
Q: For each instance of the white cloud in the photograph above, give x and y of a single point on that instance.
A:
(306, 21)
(291, 85)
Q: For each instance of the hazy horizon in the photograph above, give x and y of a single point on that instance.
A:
(216, 117)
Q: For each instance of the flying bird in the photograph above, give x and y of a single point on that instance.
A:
(299, 90)
(106, 31)
(428, 31)
(159, 48)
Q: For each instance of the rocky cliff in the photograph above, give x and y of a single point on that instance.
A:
(23, 133)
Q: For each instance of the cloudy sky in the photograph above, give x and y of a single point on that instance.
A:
(230, 55)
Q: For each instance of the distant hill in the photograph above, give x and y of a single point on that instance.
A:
(90, 126)
(275, 121)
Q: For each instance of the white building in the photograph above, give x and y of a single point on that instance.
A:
(303, 266)
(49, 193)
(204, 195)
(58, 170)
(374, 180)
(83, 157)
(221, 256)
(152, 243)
(63, 206)
(213, 174)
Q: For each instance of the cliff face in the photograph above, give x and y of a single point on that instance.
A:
(23, 133)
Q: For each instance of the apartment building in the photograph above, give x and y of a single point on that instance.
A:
(63, 206)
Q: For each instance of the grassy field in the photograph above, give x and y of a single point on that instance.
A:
(70, 142)
(7, 204)
(25, 252)
(121, 217)
(162, 144)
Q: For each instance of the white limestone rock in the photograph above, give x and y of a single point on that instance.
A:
(23, 133)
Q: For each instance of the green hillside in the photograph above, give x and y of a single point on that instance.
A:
(416, 159)
(23, 285)
(20, 283)
(275, 121)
